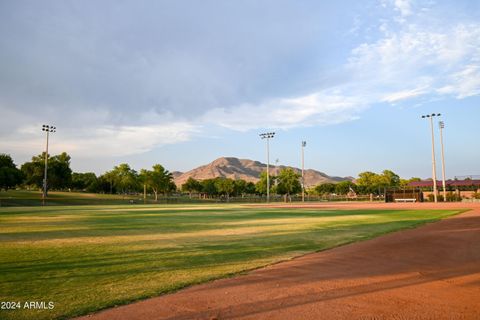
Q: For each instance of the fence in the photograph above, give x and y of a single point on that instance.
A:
(175, 199)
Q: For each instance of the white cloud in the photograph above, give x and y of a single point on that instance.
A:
(463, 84)
(415, 61)
(327, 107)
(407, 64)
(100, 140)
(403, 95)
(404, 7)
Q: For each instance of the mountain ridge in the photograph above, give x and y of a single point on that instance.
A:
(248, 170)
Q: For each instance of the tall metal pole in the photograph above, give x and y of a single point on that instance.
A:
(442, 126)
(434, 171)
(304, 143)
(47, 129)
(268, 169)
(268, 136)
(45, 167)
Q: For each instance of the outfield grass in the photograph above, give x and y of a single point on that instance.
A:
(21, 198)
(86, 258)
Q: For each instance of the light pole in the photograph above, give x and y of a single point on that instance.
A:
(434, 171)
(268, 136)
(47, 129)
(304, 143)
(441, 124)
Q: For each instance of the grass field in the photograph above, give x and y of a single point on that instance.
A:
(85, 258)
(16, 198)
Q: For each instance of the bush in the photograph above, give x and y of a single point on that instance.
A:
(431, 197)
(453, 196)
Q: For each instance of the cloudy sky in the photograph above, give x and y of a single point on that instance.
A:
(183, 82)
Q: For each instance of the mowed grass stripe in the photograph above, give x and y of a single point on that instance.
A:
(88, 258)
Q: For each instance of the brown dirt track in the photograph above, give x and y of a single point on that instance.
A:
(432, 272)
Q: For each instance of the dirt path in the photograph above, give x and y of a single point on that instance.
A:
(432, 272)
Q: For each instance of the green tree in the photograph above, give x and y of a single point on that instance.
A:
(250, 188)
(10, 175)
(325, 188)
(109, 177)
(59, 173)
(389, 178)
(370, 182)
(261, 185)
(344, 187)
(84, 181)
(125, 179)
(288, 182)
(243, 187)
(209, 187)
(104, 184)
(225, 186)
(367, 182)
(192, 185)
(159, 180)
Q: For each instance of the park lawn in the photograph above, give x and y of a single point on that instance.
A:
(20, 198)
(85, 258)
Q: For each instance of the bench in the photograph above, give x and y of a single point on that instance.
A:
(406, 200)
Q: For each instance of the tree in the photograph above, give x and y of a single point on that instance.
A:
(261, 185)
(192, 185)
(104, 184)
(367, 181)
(59, 169)
(59, 173)
(389, 179)
(224, 186)
(10, 175)
(288, 182)
(84, 181)
(370, 182)
(159, 180)
(124, 178)
(243, 187)
(250, 188)
(344, 187)
(325, 188)
(209, 187)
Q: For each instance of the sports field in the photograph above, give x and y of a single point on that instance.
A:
(85, 258)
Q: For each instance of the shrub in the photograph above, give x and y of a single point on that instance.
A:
(453, 196)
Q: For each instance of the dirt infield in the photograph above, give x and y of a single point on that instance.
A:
(432, 272)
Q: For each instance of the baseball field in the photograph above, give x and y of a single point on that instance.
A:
(80, 259)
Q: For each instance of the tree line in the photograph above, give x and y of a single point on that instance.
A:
(122, 179)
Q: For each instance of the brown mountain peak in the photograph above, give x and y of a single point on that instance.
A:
(249, 170)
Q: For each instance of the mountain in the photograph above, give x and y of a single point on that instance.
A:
(176, 174)
(249, 170)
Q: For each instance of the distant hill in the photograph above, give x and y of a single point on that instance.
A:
(248, 170)
(176, 174)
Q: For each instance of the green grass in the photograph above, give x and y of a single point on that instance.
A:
(85, 258)
(21, 198)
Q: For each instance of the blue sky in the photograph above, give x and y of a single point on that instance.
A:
(183, 82)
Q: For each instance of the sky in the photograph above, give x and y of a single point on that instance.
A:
(182, 83)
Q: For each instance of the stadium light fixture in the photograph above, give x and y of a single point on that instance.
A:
(47, 129)
(268, 136)
(434, 171)
(441, 125)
